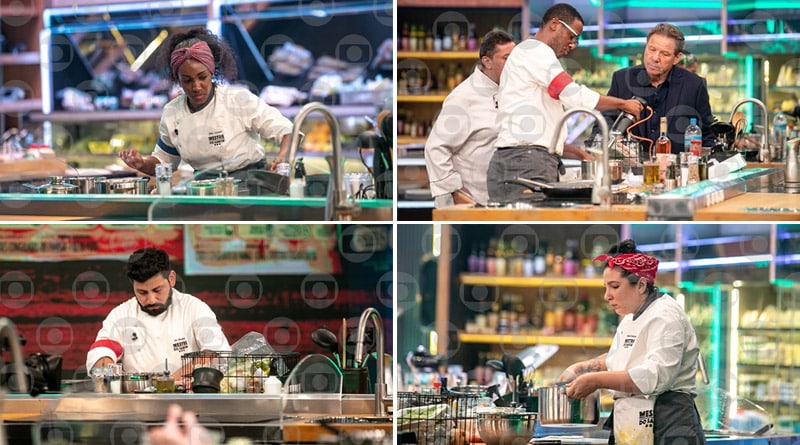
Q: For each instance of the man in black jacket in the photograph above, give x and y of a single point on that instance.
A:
(675, 93)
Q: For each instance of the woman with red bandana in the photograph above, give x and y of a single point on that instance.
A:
(651, 365)
(212, 126)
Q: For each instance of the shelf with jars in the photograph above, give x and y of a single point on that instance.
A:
(19, 61)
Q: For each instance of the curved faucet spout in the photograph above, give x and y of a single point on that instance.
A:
(337, 206)
(380, 384)
(764, 151)
(601, 191)
(9, 333)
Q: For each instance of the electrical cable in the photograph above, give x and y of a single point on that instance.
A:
(650, 141)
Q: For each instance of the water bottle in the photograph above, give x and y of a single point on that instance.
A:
(779, 139)
(693, 138)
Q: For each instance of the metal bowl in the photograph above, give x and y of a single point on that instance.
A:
(505, 428)
(137, 382)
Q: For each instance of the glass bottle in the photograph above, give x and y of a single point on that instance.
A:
(663, 148)
(404, 37)
(472, 261)
(500, 259)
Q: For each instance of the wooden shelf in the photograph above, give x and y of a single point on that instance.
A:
(24, 58)
(21, 106)
(546, 281)
(405, 140)
(422, 98)
(532, 339)
(444, 55)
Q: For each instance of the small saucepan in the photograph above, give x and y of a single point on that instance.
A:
(555, 408)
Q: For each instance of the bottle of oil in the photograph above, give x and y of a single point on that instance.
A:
(663, 148)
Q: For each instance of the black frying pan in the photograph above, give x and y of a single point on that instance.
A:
(581, 189)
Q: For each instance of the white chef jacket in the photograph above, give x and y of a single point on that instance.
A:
(461, 142)
(533, 91)
(225, 133)
(658, 349)
(188, 325)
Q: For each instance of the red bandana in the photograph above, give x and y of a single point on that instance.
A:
(640, 264)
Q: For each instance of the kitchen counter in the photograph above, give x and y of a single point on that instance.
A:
(15, 206)
(748, 195)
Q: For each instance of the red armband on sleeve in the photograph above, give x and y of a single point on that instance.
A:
(558, 84)
(110, 344)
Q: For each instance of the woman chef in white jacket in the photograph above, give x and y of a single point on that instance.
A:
(651, 366)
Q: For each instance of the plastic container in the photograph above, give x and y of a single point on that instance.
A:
(272, 385)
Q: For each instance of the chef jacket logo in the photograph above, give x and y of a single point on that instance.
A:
(629, 341)
(216, 139)
(180, 345)
(134, 336)
(646, 418)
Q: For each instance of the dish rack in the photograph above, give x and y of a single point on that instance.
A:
(241, 373)
(437, 419)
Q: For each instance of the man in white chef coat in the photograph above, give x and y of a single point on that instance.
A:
(461, 142)
(158, 324)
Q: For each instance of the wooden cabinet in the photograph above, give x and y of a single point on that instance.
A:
(20, 23)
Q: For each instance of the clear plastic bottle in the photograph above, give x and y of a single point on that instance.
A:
(693, 137)
(779, 125)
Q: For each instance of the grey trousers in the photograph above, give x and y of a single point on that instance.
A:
(529, 162)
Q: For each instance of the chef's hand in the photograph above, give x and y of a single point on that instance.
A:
(632, 106)
(567, 376)
(132, 158)
(582, 386)
(273, 166)
(172, 433)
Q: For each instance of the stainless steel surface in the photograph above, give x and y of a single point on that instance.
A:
(338, 207)
(601, 192)
(227, 408)
(506, 428)
(225, 186)
(682, 203)
(85, 184)
(124, 186)
(555, 408)
(350, 419)
(764, 149)
(360, 356)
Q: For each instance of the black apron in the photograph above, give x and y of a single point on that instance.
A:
(676, 421)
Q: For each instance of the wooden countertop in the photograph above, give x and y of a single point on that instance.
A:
(300, 431)
(746, 207)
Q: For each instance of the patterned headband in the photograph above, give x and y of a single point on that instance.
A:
(640, 264)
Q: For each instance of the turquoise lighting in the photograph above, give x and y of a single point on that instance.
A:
(709, 4)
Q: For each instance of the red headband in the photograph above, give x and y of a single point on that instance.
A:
(640, 264)
(199, 51)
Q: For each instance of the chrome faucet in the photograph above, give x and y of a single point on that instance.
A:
(337, 206)
(764, 150)
(601, 190)
(380, 384)
(9, 333)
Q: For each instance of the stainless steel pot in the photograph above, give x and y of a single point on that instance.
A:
(126, 186)
(138, 382)
(212, 187)
(555, 408)
(85, 184)
(56, 186)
